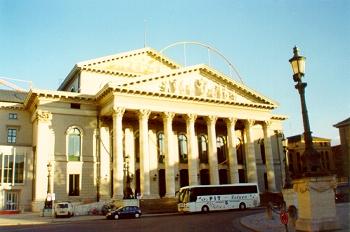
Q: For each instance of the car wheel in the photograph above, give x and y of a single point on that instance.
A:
(69, 215)
(205, 209)
(116, 217)
(242, 206)
(137, 215)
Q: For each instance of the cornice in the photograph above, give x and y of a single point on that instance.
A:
(147, 50)
(49, 94)
(118, 89)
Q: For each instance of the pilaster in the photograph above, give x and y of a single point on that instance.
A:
(44, 144)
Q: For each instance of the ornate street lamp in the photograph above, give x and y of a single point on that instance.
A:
(311, 158)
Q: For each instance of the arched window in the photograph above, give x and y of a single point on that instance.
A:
(182, 142)
(221, 149)
(160, 147)
(74, 144)
(203, 149)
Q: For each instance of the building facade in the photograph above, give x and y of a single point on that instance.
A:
(135, 123)
(344, 134)
(296, 148)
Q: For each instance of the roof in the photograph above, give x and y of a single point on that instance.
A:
(12, 96)
(90, 65)
(346, 122)
(297, 138)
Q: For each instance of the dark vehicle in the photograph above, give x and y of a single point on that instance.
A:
(124, 212)
(342, 193)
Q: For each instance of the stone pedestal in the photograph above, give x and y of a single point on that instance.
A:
(290, 197)
(317, 211)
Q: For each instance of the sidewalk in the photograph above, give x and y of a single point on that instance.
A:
(259, 222)
(35, 218)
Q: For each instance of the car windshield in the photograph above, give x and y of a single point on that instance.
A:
(62, 206)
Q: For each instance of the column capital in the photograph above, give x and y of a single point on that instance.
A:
(231, 120)
(190, 117)
(267, 123)
(43, 116)
(249, 122)
(118, 111)
(211, 119)
(143, 113)
(168, 115)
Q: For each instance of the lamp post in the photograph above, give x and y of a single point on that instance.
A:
(311, 158)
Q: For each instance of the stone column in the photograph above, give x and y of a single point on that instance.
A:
(212, 150)
(192, 149)
(43, 155)
(232, 152)
(118, 159)
(250, 152)
(270, 170)
(144, 153)
(169, 154)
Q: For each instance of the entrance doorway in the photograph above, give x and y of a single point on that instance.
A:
(223, 176)
(161, 182)
(183, 177)
(11, 200)
(204, 175)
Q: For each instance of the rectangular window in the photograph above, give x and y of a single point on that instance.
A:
(75, 105)
(19, 169)
(12, 115)
(11, 135)
(8, 168)
(11, 168)
(73, 185)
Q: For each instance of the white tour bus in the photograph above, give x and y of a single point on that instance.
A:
(204, 198)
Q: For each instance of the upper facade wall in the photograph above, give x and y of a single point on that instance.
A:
(22, 124)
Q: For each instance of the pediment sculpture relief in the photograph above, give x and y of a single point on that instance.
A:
(198, 87)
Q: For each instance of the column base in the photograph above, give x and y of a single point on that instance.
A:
(150, 196)
(169, 195)
(38, 206)
(290, 197)
(324, 224)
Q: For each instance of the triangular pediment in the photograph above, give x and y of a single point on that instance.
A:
(201, 82)
(138, 62)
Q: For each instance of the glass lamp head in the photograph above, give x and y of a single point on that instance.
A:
(298, 65)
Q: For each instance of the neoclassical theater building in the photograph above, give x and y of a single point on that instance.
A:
(135, 121)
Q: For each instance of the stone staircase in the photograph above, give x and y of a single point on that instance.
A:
(163, 205)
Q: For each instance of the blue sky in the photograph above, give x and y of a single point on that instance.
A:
(41, 41)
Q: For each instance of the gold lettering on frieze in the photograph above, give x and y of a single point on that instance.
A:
(199, 87)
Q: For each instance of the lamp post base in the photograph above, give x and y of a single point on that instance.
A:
(316, 201)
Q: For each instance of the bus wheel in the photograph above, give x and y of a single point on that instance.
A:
(205, 209)
(242, 206)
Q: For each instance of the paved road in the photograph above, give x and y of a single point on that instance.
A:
(218, 221)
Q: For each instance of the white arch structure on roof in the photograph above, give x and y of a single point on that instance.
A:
(210, 48)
